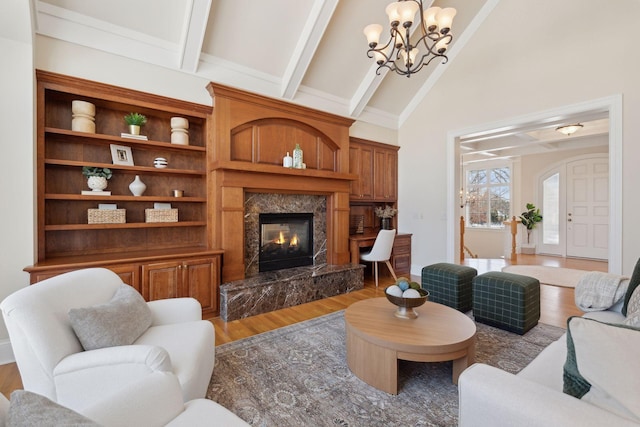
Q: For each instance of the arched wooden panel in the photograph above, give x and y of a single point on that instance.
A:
(267, 141)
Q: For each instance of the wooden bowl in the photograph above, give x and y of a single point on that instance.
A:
(406, 305)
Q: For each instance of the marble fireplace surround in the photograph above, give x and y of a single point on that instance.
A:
(263, 292)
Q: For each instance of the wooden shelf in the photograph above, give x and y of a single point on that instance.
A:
(63, 227)
(110, 139)
(145, 169)
(123, 198)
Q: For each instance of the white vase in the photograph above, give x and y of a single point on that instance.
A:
(83, 117)
(179, 131)
(97, 183)
(137, 187)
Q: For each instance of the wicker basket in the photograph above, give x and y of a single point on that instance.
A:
(161, 215)
(107, 216)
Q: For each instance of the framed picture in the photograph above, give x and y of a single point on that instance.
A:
(121, 155)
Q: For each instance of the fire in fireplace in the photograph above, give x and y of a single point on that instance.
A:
(286, 240)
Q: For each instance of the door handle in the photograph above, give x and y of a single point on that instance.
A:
(569, 220)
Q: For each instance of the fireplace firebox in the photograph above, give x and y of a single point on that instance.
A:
(286, 240)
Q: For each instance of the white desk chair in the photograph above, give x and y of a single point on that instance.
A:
(381, 251)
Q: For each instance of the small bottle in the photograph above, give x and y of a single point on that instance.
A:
(287, 161)
(297, 157)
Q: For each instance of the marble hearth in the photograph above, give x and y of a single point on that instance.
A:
(267, 291)
(274, 290)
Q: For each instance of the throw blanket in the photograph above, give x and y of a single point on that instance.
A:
(597, 291)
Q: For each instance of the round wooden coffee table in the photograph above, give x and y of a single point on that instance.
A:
(376, 340)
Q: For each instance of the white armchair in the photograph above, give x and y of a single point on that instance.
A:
(53, 363)
(155, 400)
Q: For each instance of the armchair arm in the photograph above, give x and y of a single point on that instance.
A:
(174, 310)
(86, 377)
(154, 400)
(492, 397)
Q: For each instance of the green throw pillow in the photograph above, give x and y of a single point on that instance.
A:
(121, 321)
(27, 409)
(633, 284)
(600, 358)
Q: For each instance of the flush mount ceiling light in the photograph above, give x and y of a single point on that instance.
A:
(398, 54)
(569, 129)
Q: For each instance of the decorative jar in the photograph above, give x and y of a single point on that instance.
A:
(137, 187)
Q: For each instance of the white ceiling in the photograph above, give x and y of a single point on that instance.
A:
(310, 52)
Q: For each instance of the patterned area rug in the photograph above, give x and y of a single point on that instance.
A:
(298, 376)
(555, 276)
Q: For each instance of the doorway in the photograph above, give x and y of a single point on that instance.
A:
(575, 202)
(610, 107)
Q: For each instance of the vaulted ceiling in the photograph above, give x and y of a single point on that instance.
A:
(310, 52)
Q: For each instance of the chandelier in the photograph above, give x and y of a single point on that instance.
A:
(398, 54)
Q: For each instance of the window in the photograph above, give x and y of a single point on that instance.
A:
(488, 196)
(551, 209)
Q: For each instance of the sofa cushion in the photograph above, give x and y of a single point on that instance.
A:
(634, 281)
(27, 409)
(119, 322)
(597, 370)
(633, 310)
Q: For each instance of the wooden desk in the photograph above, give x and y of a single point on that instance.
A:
(400, 255)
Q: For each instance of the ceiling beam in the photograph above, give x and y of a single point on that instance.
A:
(195, 26)
(312, 33)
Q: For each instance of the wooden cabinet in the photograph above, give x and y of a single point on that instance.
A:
(361, 164)
(376, 165)
(65, 236)
(401, 255)
(183, 278)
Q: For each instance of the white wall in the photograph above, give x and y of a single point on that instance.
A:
(528, 57)
(17, 173)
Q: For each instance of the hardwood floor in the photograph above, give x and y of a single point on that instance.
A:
(556, 304)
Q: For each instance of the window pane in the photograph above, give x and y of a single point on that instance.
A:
(500, 176)
(477, 177)
(551, 209)
(488, 193)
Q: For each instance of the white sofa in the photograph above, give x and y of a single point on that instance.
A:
(489, 396)
(53, 363)
(155, 400)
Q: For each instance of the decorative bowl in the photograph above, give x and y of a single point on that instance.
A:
(406, 305)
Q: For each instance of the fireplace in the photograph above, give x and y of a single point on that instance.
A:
(286, 240)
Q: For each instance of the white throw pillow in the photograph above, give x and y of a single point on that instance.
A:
(121, 321)
(602, 365)
(633, 309)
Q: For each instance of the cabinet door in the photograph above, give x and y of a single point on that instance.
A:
(401, 255)
(129, 273)
(201, 278)
(161, 280)
(361, 164)
(385, 185)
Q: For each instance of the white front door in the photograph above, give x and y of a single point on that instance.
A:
(587, 211)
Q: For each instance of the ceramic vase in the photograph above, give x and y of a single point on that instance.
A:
(297, 157)
(83, 117)
(385, 223)
(137, 187)
(134, 129)
(97, 183)
(179, 132)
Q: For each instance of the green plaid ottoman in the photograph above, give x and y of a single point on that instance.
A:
(449, 284)
(506, 301)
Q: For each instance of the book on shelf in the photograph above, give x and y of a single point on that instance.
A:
(95, 193)
(132, 136)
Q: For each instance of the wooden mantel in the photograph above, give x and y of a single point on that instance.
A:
(251, 135)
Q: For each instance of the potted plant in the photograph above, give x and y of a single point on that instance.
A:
(135, 120)
(529, 219)
(385, 214)
(97, 177)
